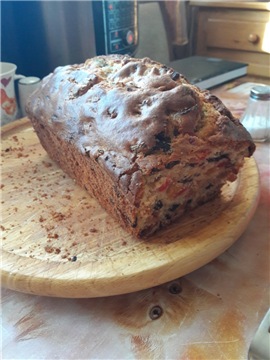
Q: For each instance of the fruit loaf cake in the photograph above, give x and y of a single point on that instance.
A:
(139, 137)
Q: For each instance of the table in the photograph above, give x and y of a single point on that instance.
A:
(211, 313)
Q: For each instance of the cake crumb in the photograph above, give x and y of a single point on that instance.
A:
(48, 249)
(58, 216)
(46, 164)
(53, 236)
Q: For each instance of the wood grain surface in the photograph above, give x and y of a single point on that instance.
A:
(58, 241)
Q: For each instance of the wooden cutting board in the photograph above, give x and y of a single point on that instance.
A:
(57, 241)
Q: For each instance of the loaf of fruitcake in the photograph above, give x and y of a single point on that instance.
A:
(138, 137)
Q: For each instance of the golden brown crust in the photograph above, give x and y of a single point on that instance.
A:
(123, 120)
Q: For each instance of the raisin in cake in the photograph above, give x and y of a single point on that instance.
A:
(139, 137)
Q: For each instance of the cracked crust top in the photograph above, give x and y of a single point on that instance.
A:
(133, 115)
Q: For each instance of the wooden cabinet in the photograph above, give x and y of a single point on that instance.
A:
(237, 31)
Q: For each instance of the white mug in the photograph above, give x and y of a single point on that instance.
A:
(26, 86)
(9, 106)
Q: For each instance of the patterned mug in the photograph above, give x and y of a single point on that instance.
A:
(9, 107)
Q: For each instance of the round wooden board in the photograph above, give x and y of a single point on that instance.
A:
(58, 241)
